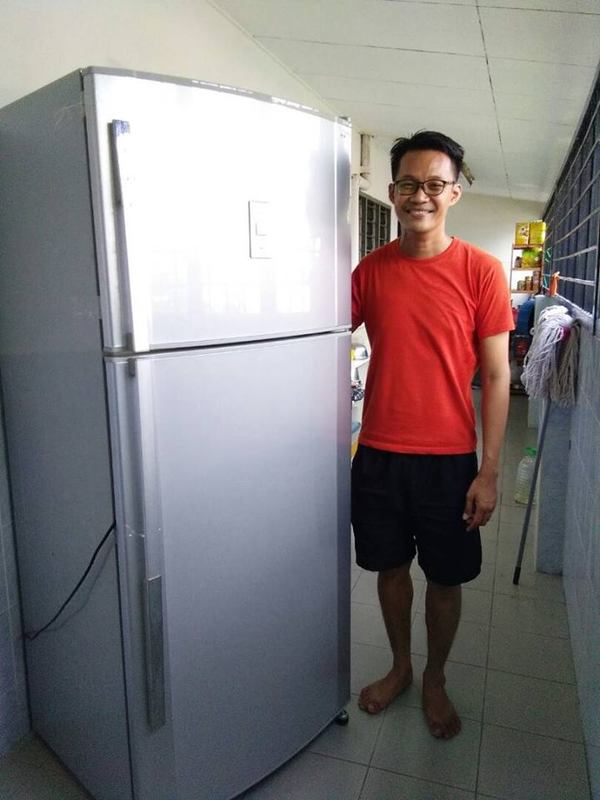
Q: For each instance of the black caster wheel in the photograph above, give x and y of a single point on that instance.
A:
(343, 718)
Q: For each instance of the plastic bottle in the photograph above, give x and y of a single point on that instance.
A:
(525, 475)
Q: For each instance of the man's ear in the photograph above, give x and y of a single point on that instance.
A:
(456, 193)
(391, 192)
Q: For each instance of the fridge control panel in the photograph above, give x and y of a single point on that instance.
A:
(261, 226)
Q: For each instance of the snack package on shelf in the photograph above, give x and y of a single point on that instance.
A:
(522, 233)
(537, 231)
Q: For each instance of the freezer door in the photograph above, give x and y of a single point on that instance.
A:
(237, 507)
(220, 215)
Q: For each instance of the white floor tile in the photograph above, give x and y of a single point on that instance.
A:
(387, 786)
(406, 746)
(311, 777)
(530, 616)
(513, 515)
(531, 584)
(485, 579)
(531, 655)
(521, 766)
(533, 705)
(365, 589)
(31, 772)
(367, 625)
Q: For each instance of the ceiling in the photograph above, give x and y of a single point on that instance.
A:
(508, 79)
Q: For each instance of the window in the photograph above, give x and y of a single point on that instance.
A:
(373, 224)
(573, 216)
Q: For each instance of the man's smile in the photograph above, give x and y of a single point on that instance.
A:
(417, 212)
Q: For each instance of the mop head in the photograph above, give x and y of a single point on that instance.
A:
(550, 366)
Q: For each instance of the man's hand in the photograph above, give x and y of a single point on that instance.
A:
(481, 500)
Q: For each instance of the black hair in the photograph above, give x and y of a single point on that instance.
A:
(427, 140)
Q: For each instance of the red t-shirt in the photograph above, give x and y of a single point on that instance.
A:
(424, 318)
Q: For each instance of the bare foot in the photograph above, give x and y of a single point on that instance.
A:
(442, 719)
(377, 696)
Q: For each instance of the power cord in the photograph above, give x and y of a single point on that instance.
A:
(35, 634)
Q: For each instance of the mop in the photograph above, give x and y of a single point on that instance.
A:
(549, 373)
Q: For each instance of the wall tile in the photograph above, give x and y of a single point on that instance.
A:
(582, 545)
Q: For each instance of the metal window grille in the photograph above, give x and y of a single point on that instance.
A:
(374, 219)
(573, 216)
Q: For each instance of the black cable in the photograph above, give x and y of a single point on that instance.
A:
(32, 636)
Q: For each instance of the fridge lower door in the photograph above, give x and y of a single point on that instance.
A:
(234, 506)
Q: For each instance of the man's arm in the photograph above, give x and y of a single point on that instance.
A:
(495, 383)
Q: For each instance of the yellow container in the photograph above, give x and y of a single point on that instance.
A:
(537, 231)
(522, 233)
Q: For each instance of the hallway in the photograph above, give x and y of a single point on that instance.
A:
(510, 675)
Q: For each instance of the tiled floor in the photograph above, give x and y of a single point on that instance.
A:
(510, 674)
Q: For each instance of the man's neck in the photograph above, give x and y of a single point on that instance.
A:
(427, 246)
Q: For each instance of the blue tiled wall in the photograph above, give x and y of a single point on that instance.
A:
(582, 547)
(14, 721)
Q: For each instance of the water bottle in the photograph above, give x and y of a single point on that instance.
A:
(525, 475)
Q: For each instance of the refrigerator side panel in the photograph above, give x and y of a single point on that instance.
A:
(55, 408)
(217, 214)
(247, 494)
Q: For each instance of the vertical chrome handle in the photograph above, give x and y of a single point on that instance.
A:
(130, 238)
(140, 370)
(153, 555)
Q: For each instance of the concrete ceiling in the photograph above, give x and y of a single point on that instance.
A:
(508, 79)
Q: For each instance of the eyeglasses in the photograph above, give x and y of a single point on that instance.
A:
(431, 187)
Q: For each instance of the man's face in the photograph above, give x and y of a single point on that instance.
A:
(419, 212)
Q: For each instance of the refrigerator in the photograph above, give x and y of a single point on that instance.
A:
(175, 353)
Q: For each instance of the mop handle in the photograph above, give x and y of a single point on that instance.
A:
(536, 468)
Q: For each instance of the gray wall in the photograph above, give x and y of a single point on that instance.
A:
(581, 573)
(14, 720)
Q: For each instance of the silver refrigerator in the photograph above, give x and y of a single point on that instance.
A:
(174, 336)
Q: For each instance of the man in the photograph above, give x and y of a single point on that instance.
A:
(434, 308)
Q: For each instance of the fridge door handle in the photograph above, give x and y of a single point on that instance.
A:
(152, 544)
(130, 239)
(155, 661)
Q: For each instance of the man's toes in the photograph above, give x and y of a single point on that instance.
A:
(370, 706)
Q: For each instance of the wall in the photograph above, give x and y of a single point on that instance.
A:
(581, 572)
(41, 41)
(374, 183)
(489, 222)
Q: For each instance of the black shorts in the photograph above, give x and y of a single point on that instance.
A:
(404, 504)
